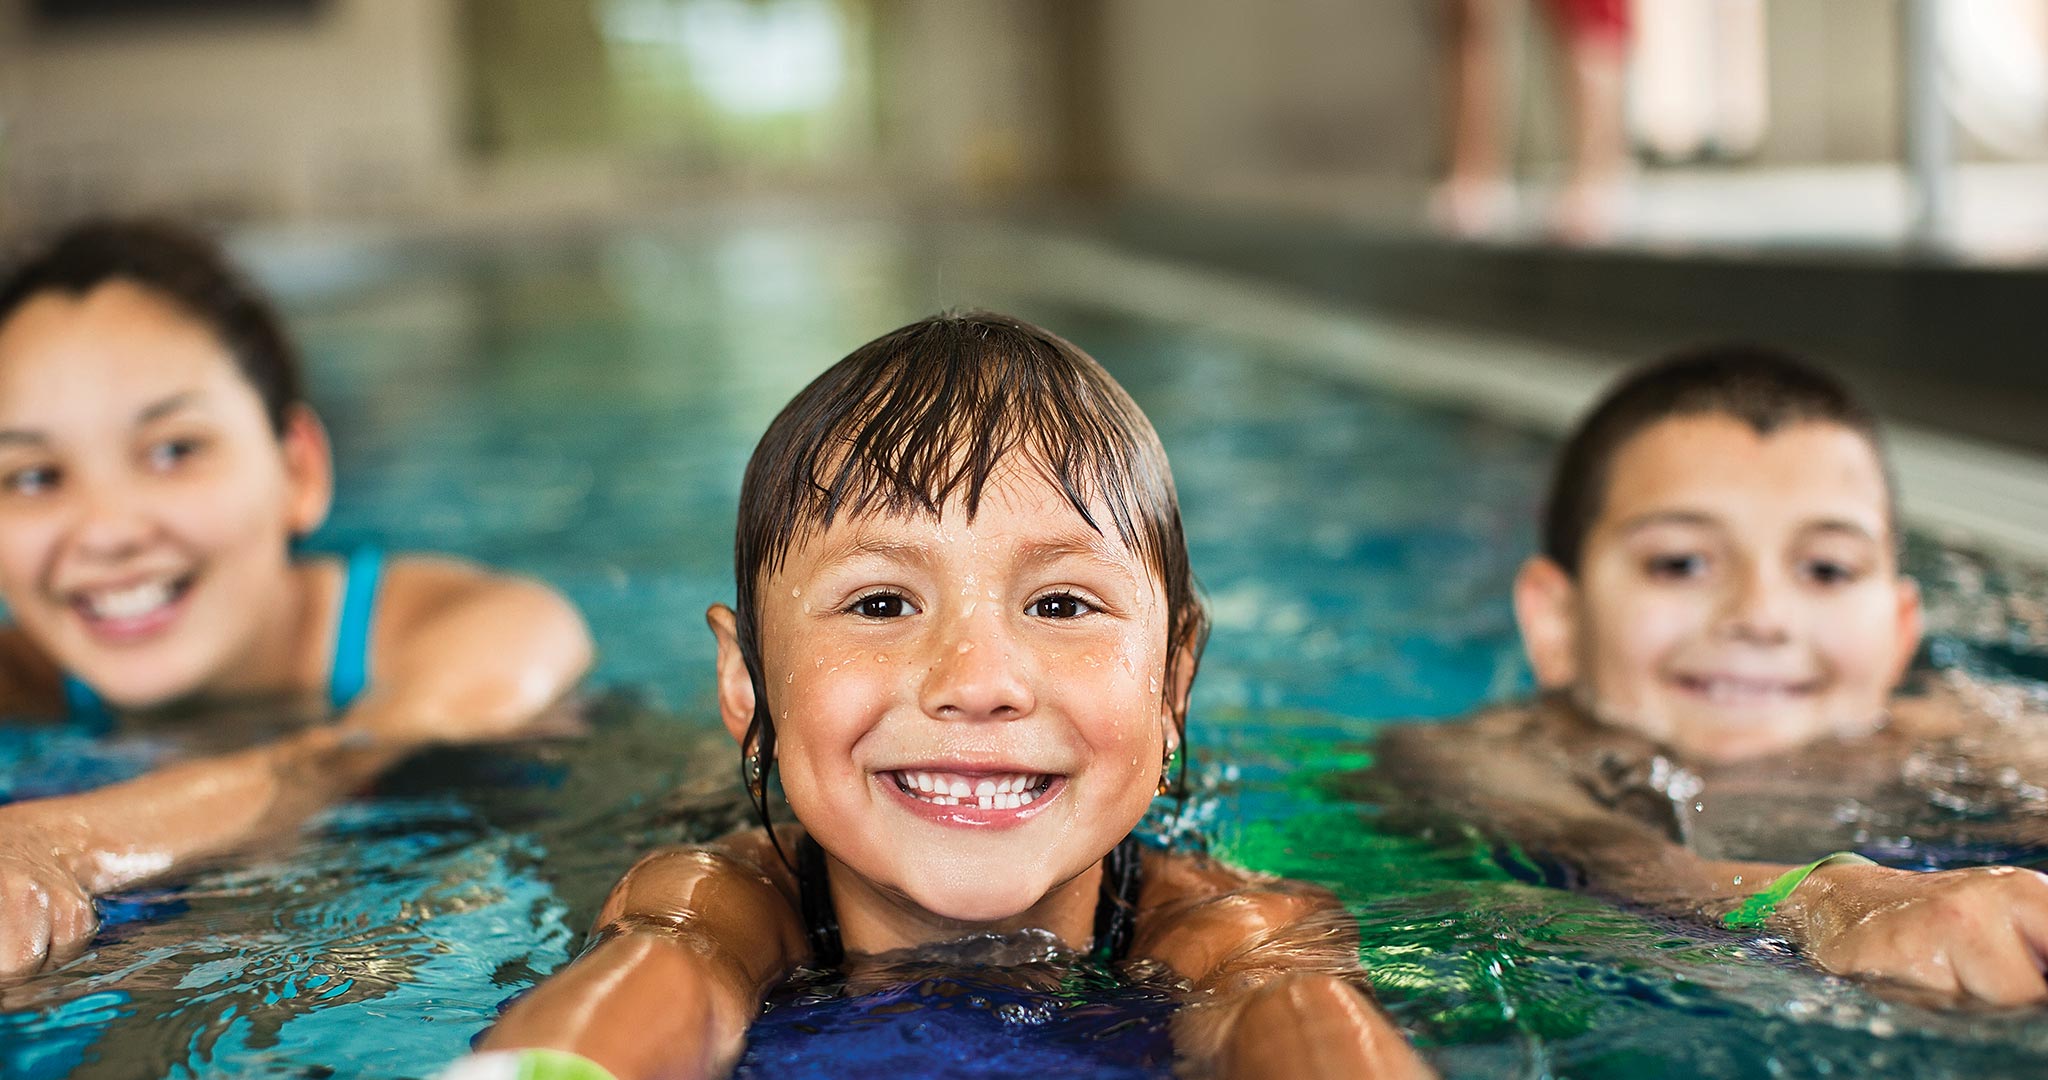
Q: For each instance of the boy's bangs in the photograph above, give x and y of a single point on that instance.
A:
(924, 426)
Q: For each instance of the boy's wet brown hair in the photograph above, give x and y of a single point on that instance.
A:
(1762, 387)
(183, 268)
(928, 414)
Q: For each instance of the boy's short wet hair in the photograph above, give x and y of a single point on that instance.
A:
(1765, 388)
(928, 414)
(182, 267)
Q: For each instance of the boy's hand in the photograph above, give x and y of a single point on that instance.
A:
(1978, 934)
(45, 914)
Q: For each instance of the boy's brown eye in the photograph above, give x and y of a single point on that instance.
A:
(881, 606)
(1675, 567)
(34, 480)
(1829, 572)
(1059, 606)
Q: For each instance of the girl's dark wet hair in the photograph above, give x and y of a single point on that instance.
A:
(928, 414)
(182, 267)
(1762, 387)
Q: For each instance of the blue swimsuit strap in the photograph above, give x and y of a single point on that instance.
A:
(350, 671)
(87, 712)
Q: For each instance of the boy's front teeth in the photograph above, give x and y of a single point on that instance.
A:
(1013, 792)
(129, 603)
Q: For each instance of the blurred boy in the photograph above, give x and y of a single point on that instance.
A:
(1719, 625)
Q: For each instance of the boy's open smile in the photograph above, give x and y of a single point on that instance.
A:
(975, 799)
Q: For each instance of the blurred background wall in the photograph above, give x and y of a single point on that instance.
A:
(351, 108)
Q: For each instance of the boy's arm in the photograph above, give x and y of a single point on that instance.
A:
(470, 656)
(685, 948)
(1978, 933)
(1275, 976)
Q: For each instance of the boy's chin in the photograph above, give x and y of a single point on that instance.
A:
(979, 899)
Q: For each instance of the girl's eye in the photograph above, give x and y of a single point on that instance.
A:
(168, 453)
(1830, 572)
(884, 605)
(1678, 567)
(1059, 606)
(34, 480)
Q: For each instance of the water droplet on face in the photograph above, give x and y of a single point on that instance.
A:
(790, 678)
(966, 647)
(881, 658)
(796, 590)
(1152, 684)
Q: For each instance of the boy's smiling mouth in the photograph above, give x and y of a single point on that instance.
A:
(1743, 690)
(973, 798)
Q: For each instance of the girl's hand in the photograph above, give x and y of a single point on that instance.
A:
(46, 915)
(1979, 934)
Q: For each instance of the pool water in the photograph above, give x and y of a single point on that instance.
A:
(582, 410)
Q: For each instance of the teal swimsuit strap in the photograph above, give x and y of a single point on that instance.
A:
(84, 710)
(351, 670)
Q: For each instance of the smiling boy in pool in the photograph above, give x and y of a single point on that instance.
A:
(1719, 623)
(157, 462)
(964, 635)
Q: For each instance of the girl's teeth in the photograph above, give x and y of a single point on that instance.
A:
(130, 603)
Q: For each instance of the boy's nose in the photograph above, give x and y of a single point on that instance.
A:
(1754, 608)
(976, 674)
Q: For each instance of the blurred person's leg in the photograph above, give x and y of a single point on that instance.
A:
(1594, 35)
(1475, 196)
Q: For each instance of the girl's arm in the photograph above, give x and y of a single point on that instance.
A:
(461, 655)
(57, 853)
(685, 948)
(1275, 974)
(1977, 934)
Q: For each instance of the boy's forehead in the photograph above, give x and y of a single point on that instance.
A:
(1019, 514)
(1720, 465)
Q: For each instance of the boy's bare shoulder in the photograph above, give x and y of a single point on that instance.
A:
(1539, 722)
(1178, 881)
(683, 880)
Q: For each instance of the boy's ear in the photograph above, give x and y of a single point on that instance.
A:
(735, 685)
(1909, 626)
(1173, 704)
(1547, 613)
(309, 469)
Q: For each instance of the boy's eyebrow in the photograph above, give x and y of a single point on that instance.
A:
(1840, 525)
(1668, 517)
(1093, 547)
(163, 407)
(22, 437)
(865, 543)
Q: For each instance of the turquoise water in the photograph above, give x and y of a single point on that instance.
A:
(582, 410)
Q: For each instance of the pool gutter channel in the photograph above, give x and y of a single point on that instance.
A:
(1964, 492)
